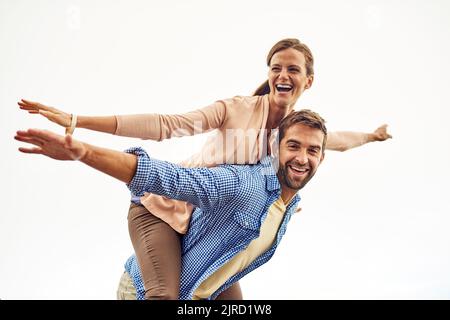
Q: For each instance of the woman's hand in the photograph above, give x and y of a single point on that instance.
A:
(380, 134)
(52, 114)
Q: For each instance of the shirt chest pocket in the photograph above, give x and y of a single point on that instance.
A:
(247, 221)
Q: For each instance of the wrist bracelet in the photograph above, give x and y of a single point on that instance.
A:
(73, 124)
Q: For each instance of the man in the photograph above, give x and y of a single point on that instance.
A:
(241, 211)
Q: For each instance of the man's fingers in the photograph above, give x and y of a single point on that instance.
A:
(45, 135)
(22, 133)
(41, 135)
(36, 142)
(31, 150)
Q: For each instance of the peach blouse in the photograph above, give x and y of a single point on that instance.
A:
(240, 138)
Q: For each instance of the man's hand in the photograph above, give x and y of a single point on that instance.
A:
(117, 164)
(51, 144)
(380, 134)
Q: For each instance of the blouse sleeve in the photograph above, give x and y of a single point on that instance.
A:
(165, 126)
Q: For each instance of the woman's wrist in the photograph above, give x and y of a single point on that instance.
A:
(370, 137)
(73, 123)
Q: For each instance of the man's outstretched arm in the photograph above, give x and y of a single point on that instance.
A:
(117, 164)
(203, 187)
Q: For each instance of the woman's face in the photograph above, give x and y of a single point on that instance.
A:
(287, 77)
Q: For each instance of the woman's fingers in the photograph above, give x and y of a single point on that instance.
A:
(31, 150)
(381, 133)
(24, 106)
(51, 113)
(31, 105)
(29, 102)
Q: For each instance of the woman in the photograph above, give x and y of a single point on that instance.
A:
(155, 236)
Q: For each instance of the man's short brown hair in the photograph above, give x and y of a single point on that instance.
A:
(306, 117)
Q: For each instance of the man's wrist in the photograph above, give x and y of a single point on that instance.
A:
(86, 155)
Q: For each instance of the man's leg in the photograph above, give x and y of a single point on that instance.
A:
(158, 251)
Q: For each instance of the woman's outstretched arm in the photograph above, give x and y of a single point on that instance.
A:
(345, 140)
(152, 126)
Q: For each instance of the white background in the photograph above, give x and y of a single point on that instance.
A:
(375, 220)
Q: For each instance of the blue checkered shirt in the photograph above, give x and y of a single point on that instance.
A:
(231, 202)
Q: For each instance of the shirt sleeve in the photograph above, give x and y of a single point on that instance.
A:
(207, 188)
(165, 126)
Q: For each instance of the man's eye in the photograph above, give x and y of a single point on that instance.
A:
(276, 69)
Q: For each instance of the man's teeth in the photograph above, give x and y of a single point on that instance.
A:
(300, 170)
(283, 87)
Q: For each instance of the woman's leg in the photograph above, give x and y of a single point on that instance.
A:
(158, 251)
(232, 293)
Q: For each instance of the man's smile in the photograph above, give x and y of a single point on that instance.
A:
(298, 171)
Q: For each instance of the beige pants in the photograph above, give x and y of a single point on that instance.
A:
(158, 252)
(126, 290)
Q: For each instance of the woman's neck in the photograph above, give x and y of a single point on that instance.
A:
(276, 114)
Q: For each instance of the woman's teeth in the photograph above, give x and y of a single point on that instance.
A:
(283, 87)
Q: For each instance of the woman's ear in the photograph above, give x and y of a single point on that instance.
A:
(310, 82)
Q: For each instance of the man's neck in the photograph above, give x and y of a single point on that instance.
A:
(287, 194)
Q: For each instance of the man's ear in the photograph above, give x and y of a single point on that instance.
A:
(322, 157)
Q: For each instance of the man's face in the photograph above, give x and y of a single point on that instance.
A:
(300, 155)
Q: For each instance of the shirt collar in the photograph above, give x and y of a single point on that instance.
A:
(269, 170)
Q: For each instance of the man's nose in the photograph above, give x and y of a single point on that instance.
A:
(302, 157)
